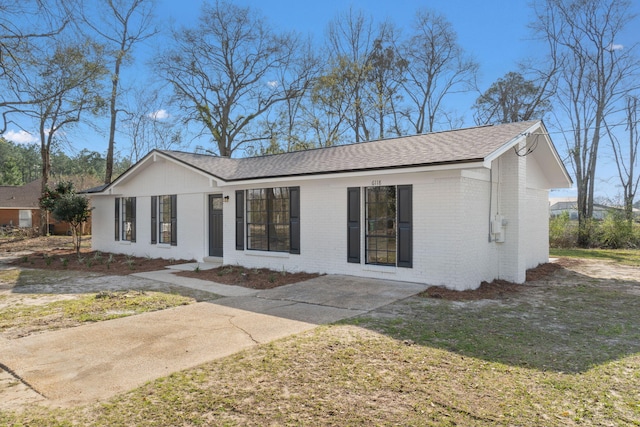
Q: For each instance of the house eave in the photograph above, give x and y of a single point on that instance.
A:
(111, 189)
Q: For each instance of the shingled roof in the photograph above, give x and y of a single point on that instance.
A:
(20, 196)
(438, 148)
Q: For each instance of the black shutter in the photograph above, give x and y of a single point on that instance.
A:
(154, 219)
(405, 214)
(117, 219)
(240, 220)
(133, 219)
(294, 220)
(353, 224)
(174, 220)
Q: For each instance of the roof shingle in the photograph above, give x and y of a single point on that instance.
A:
(21, 196)
(455, 146)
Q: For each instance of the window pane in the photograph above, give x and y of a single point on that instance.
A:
(127, 218)
(216, 203)
(164, 219)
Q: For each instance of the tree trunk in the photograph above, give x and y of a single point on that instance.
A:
(46, 169)
(112, 124)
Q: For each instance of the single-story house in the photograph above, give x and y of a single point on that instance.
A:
(451, 208)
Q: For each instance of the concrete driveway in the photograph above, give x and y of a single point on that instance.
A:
(96, 361)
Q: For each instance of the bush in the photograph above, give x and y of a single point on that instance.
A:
(614, 232)
(563, 233)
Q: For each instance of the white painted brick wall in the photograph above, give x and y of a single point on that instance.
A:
(450, 223)
(536, 227)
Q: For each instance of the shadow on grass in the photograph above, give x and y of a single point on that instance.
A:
(565, 328)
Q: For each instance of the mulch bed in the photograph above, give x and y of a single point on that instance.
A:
(90, 262)
(254, 278)
(495, 290)
(57, 258)
(118, 264)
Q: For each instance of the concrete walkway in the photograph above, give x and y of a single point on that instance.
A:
(97, 361)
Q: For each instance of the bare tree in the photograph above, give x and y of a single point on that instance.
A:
(627, 158)
(149, 126)
(595, 76)
(120, 25)
(351, 38)
(25, 27)
(285, 122)
(436, 67)
(512, 98)
(386, 74)
(225, 73)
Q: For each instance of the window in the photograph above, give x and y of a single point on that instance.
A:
(388, 225)
(268, 219)
(273, 219)
(380, 238)
(125, 219)
(24, 218)
(164, 220)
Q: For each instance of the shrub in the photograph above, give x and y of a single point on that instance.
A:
(614, 232)
(562, 232)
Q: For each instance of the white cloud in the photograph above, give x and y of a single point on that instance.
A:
(614, 46)
(272, 83)
(159, 115)
(20, 137)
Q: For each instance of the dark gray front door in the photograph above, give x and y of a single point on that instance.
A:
(215, 225)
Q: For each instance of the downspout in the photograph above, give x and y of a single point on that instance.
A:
(490, 198)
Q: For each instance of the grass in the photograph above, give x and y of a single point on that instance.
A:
(86, 308)
(621, 256)
(561, 355)
(9, 276)
(346, 375)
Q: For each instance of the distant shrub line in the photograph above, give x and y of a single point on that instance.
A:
(613, 232)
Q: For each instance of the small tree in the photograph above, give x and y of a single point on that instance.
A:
(66, 205)
(74, 209)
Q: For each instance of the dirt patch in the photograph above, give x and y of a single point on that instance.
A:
(254, 278)
(10, 244)
(495, 290)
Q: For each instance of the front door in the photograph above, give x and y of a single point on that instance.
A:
(215, 225)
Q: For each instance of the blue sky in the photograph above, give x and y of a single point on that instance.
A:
(494, 32)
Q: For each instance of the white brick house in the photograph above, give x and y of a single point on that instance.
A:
(450, 208)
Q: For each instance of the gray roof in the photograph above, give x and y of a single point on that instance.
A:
(447, 147)
(97, 189)
(21, 196)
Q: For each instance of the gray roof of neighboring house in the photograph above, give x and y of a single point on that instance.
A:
(21, 196)
(97, 189)
(447, 147)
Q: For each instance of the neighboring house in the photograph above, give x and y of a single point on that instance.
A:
(450, 208)
(559, 205)
(20, 208)
(19, 205)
